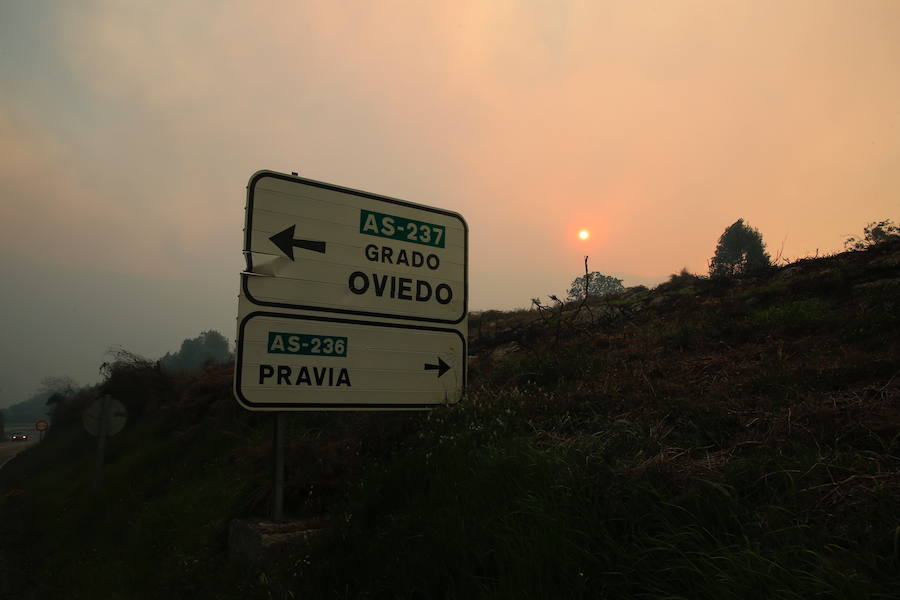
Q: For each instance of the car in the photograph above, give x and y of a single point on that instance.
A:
(19, 437)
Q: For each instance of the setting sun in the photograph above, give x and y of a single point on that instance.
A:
(583, 234)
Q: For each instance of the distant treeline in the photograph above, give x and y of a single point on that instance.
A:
(210, 347)
(33, 409)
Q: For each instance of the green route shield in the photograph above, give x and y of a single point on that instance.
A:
(393, 227)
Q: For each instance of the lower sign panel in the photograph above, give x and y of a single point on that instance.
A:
(299, 362)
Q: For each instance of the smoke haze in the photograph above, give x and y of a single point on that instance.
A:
(128, 132)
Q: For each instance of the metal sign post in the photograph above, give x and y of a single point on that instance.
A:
(278, 449)
(102, 429)
(105, 417)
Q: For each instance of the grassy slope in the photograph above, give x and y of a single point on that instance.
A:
(704, 440)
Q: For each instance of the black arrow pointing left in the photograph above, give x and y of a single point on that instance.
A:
(286, 243)
(441, 367)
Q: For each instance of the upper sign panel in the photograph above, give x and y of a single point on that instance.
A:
(320, 247)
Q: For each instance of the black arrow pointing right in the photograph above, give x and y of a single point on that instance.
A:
(286, 243)
(441, 367)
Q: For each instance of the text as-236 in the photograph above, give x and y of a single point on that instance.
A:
(307, 344)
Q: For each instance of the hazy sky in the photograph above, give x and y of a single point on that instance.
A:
(128, 131)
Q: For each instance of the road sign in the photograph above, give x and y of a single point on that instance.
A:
(41, 425)
(350, 300)
(315, 362)
(313, 246)
(116, 416)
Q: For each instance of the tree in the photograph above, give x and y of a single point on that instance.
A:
(875, 232)
(740, 250)
(58, 384)
(57, 389)
(209, 346)
(598, 285)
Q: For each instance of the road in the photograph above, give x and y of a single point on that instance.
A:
(10, 449)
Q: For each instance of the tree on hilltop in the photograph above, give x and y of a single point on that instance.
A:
(597, 284)
(209, 346)
(740, 250)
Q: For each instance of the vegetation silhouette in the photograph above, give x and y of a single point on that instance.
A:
(208, 347)
(594, 285)
(740, 251)
(875, 232)
(40, 404)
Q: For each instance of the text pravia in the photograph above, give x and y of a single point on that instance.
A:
(311, 376)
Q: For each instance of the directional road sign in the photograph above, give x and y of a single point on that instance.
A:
(313, 246)
(315, 362)
(350, 300)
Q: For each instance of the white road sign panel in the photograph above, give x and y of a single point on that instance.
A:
(315, 362)
(312, 246)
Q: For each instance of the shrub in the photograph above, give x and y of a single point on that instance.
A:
(875, 232)
(740, 251)
(596, 284)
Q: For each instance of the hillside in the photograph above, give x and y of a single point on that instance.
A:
(27, 412)
(706, 439)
